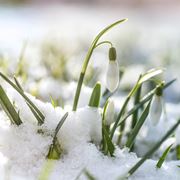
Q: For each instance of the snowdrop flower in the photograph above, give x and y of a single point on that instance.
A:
(155, 111)
(112, 76)
(109, 113)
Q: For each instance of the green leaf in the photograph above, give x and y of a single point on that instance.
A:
(55, 148)
(89, 175)
(37, 116)
(109, 143)
(53, 102)
(95, 96)
(104, 110)
(178, 152)
(9, 108)
(136, 101)
(163, 157)
(21, 92)
(137, 127)
(149, 74)
(169, 83)
(153, 149)
(17, 83)
(61, 122)
(145, 77)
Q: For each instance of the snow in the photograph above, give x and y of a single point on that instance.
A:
(23, 149)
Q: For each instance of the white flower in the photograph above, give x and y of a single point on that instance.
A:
(112, 76)
(155, 111)
(109, 114)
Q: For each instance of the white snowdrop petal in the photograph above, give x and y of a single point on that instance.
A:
(155, 109)
(109, 114)
(112, 76)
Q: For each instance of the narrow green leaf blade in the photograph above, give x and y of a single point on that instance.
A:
(53, 102)
(89, 175)
(137, 127)
(136, 101)
(61, 122)
(110, 145)
(55, 148)
(9, 108)
(149, 74)
(36, 114)
(163, 157)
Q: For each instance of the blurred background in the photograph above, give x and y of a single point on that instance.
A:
(44, 41)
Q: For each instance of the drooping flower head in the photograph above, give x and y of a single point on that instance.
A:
(112, 76)
(156, 106)
(109, 113)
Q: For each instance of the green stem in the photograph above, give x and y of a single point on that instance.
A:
(136, 101)
(119, 116)
(104, 42)
(86, 61)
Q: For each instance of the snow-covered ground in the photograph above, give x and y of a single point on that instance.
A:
(23, 149)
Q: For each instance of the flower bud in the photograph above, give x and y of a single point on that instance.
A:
(95, 96)
(155, 111)
(112, 76)
(109, 113)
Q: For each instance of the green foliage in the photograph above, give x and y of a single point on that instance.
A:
(9, 108)
(137, 127)
(55, 148)
(39, 116)
(95, 96)
(163, 157)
